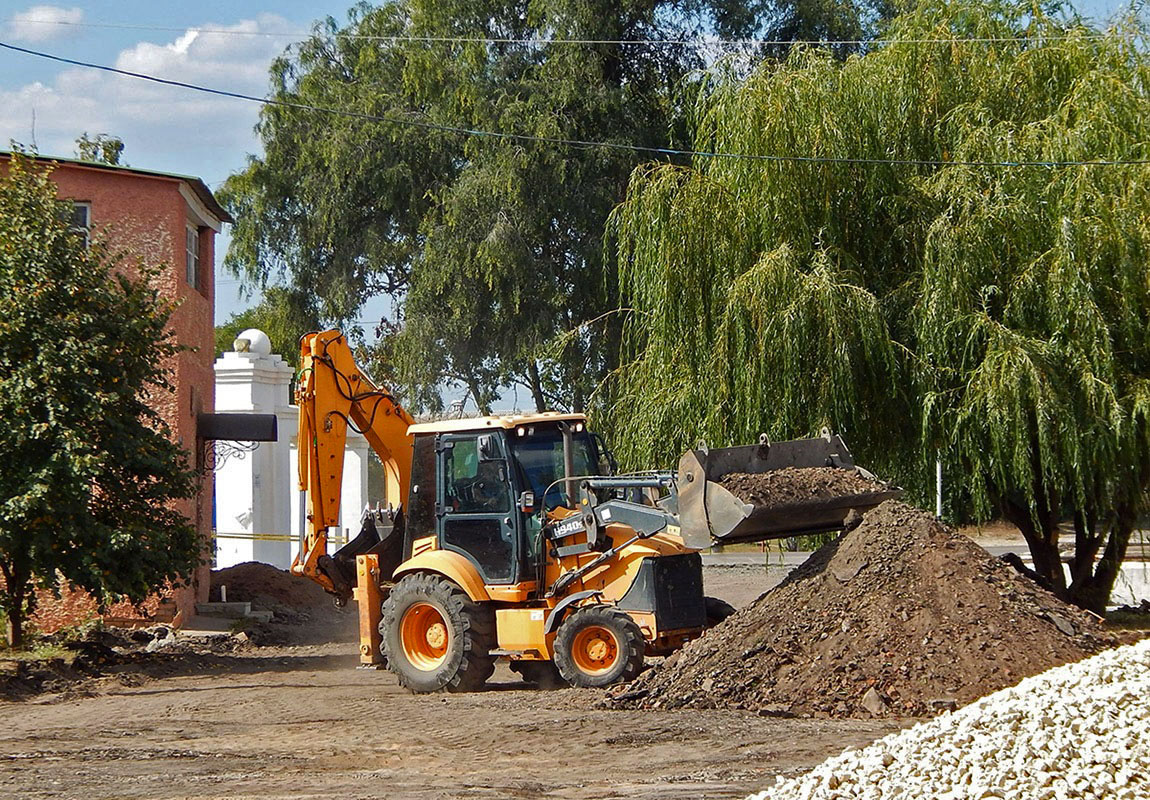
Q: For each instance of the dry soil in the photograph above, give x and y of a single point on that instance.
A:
(797, 486)
(900, 616)
(300, 721)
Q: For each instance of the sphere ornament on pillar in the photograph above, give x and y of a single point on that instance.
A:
(253, 340)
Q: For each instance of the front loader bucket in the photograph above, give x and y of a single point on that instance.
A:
(710, 514)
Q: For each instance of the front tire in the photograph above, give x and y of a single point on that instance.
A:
(434, 637)
(598, 646)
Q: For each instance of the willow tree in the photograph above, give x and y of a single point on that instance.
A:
(490, 246)
(940, 247)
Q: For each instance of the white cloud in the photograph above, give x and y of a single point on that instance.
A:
(44, 23)
(163, 127)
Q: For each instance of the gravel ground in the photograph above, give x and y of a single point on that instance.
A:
(1075, 731)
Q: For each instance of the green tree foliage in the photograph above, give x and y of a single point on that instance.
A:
(283, 314)
(102, 149)
(491, 246)
(995, 317)
(90, 470)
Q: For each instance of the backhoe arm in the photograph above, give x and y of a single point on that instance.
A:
(332, 393)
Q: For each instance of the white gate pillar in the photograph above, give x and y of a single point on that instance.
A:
(258, 502)
(251, 507)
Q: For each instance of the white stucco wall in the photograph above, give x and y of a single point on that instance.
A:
(1132, 585)
(257, 498)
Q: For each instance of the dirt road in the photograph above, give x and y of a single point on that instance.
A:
(305, 723)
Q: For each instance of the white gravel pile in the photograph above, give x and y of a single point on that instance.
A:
(1077, 731)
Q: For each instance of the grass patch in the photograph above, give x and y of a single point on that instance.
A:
(44, 651)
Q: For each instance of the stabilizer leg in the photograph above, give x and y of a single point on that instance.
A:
(369, 598)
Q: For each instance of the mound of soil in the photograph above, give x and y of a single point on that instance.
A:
(900, 616)
(269, 588)
(111, 654)
(797, 486)
(302, 612)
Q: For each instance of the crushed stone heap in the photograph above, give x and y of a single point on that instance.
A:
(1077, 730)
(901, 616)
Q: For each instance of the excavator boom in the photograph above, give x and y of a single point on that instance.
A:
(334, 394)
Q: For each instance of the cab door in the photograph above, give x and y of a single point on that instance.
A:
(475, 502)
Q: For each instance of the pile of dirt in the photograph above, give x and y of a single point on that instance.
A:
(797, 486)
(900, 616)
(302, 612)
(269, 588)
(119, 654)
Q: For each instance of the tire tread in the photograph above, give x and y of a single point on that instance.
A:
(633, 643)
(473, 623)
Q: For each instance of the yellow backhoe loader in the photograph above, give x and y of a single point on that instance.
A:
(512, 537)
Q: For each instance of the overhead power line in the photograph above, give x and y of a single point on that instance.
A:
(701, 43)
(575, 143)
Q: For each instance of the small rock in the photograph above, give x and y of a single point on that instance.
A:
(159, 643)
(1062, 624)
(141, 636)
(845, 573)
(943, 704)
(873, 702)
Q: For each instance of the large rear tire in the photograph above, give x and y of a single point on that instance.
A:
(598, 646)
(434, 637)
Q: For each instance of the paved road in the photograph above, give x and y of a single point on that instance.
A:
(774, 559)
(1139, 550)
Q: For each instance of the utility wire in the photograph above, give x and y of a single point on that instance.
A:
(710, 42)
(575, 143)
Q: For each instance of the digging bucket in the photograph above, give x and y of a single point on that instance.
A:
(710, 514)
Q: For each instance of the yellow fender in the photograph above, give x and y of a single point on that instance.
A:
(450, 565)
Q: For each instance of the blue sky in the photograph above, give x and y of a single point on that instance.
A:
(164, 128)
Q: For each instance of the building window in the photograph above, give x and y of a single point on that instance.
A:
(80, 221)
(193, 250)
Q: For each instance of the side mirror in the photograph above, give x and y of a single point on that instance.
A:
(488, 448)
(526, 502)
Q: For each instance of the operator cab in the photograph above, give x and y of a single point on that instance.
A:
(477, 485)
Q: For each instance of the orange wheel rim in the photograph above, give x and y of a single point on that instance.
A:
(595, 650)
(425, 636)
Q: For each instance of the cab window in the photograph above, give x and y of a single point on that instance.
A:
(539, 454)
(475, 486)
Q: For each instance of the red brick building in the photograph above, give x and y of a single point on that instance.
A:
(171, 220)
